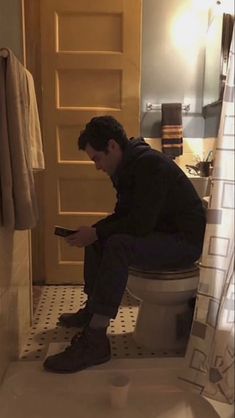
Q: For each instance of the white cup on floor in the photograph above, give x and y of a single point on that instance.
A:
(119, 388)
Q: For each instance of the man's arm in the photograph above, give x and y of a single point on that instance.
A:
(149, 197)
(84, 236)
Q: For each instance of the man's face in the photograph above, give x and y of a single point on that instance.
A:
(106, 161)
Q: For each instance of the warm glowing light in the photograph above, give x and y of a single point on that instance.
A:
(186, 30)
(189, 24)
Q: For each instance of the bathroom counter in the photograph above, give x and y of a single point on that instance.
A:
(205, 201)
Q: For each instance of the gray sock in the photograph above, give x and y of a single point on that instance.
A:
(99, 321)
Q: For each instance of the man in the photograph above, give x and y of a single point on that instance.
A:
(158, 222)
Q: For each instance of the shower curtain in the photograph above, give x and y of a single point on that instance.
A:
(210, 353)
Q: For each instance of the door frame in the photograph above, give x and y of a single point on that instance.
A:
(33, 63)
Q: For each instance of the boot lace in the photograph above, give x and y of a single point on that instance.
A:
(79, 342)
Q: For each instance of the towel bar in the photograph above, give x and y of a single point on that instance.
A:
(152, 106)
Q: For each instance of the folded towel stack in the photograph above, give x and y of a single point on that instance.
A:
(172, 129)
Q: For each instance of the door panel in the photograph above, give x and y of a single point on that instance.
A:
(106, 33)
(90, 67)
(89, 88)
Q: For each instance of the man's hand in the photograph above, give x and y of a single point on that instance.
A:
(84, 236)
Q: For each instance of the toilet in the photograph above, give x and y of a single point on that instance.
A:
(165, 315)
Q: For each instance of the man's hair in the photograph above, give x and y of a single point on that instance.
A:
(99, 131)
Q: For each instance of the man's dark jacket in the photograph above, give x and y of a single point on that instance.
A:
(153, 194)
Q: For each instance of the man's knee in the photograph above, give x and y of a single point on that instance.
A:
(93, 250)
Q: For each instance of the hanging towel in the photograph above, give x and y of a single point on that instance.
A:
(172, 129)
(18, 197)
(37, 156)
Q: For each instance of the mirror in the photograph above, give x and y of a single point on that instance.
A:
(219, 36)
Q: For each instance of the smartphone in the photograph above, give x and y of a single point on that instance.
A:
(63, 232)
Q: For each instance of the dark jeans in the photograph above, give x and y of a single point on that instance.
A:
(106, 264)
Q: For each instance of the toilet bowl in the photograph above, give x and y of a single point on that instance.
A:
(165, 315)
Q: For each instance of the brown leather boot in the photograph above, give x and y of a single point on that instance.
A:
(90, 348)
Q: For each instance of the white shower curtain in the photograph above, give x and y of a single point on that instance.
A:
(210, 352)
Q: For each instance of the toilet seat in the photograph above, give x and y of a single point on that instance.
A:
(174, 280)
(169, 274)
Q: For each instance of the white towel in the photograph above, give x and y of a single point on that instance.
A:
(37, 157)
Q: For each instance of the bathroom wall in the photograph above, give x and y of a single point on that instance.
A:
(15, 289)
(194, 148)
(173, 49)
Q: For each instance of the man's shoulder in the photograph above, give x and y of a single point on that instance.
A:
(155, 157)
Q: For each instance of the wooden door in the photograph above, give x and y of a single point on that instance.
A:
(90, 67)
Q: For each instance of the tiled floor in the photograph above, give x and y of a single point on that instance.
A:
(45, 334)
(30, 392)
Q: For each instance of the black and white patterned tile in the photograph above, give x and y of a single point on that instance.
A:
(46, 336)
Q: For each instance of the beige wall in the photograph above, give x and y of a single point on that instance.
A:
(15, 288)
(15, 297)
